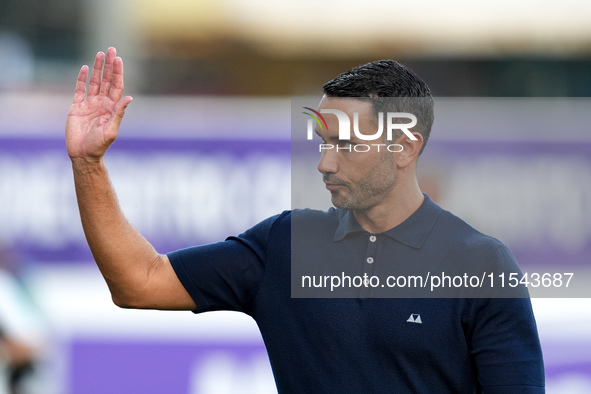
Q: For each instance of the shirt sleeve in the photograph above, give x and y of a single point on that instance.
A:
(225, 275)
(504, 342)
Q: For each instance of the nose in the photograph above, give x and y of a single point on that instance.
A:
(328, 162)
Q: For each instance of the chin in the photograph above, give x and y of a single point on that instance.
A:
(341, 204)
(337, 204)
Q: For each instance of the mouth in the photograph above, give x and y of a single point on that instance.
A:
(333, 186)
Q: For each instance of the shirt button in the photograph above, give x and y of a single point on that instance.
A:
(372, 238)
(369, 260)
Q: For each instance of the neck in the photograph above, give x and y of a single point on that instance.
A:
(402, 202)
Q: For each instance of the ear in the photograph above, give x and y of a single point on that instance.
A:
(410, 149)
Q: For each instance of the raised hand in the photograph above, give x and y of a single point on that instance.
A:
(95, 116)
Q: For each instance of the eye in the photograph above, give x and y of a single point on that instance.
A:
(345, 144)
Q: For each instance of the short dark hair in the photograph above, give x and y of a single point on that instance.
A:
(387, 79)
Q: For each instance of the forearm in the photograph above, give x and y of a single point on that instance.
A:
(137, 276)
(124, 257)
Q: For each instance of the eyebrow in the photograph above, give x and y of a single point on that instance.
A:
(333, 138)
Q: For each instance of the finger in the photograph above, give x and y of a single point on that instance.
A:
(117, 85)
(120, 108)
(95, 77)
(108, 72)
(80, 91)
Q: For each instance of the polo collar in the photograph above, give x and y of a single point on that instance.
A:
(412, 232)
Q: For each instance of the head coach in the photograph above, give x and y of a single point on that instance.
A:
(349, 344)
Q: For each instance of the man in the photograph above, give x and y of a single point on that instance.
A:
(324, 345)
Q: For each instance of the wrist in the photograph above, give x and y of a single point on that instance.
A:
(85, 165)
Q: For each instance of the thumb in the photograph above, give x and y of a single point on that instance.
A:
(120, 108)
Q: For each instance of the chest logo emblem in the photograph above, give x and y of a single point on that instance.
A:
(414, 318)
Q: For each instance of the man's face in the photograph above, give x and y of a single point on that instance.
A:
(356, 180)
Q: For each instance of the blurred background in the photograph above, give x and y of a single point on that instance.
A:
(204, 152)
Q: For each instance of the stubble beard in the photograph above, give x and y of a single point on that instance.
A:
(370, 191)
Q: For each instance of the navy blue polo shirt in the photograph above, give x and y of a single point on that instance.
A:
(366, 344)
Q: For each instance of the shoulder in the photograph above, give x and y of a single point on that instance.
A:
(272, 224)
(310, 222)
(459, 233)
(283, 225)
(466, 244)
(318, 216)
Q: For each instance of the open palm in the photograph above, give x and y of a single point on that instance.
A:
(95, 116)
